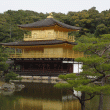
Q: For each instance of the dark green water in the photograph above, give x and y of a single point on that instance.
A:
(36, 96)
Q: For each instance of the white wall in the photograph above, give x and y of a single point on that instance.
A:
(77, 67)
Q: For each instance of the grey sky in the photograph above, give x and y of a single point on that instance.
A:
(62, 6)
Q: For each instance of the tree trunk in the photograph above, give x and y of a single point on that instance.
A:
(83, 102)
(101, 97)
(83, 105)
(101, 102)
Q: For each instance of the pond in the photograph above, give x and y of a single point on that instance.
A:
(41, 96)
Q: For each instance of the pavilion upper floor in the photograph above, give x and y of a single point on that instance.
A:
(49, 34)
(48, 29)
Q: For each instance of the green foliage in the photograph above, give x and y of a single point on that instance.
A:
(73, 76)
(3, 57)
(11, 76)
(91, 89)
(63, 86)
(90, 20)
(3, 66)
(96, 67)
(100, 29)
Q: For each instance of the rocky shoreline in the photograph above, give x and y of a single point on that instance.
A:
(9, 88)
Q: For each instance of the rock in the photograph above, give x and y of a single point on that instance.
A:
(8, 86)
(19, 86)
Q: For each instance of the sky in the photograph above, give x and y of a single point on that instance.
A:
(47, 6)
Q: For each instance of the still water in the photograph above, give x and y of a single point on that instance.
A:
(40, 96)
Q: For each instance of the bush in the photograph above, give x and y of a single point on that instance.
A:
(11, 76)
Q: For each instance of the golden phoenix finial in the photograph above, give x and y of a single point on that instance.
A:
(50, 15)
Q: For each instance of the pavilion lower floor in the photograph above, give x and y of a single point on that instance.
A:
(42, 67)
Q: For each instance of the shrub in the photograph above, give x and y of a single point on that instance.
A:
(11, 76)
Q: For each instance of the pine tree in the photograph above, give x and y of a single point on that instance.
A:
(3, 59)
(96, 68)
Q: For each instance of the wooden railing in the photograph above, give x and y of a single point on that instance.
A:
(43, 55)
(66, 38)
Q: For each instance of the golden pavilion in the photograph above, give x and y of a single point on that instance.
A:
(45, 50)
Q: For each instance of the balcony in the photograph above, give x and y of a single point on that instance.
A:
(64, 38)
(43, 55)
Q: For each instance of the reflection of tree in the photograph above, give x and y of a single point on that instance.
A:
(7, 102)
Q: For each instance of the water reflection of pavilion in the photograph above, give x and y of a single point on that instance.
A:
(46, 97)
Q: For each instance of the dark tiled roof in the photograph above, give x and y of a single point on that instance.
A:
(47, 23)
(35, 43)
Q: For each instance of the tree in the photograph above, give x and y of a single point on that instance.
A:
(11, 76)
(96, 68)
(3, 58)
(4, 66)
(90, 20)
(100, 29)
